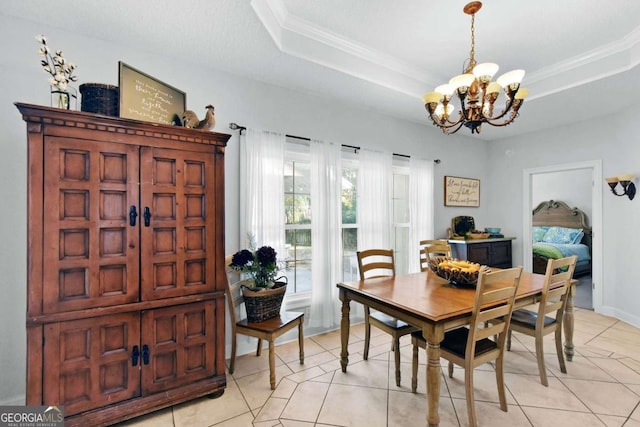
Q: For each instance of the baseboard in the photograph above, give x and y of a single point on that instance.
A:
(621, 315)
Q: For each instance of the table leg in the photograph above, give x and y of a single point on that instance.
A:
(344, 330)
(434, 335)
(568, 324)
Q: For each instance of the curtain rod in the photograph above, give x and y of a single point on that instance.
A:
(353, 147)
(235, 126)
(406, 156)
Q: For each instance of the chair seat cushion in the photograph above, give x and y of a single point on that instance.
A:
(390, 321)
(456, 342)
(418, 335)
(528, 318)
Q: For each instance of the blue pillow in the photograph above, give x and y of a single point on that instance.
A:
(578, 238)
(538, 233)
(561, 235)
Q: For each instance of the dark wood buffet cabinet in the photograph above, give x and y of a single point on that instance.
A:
(494, 252)
(125, 281)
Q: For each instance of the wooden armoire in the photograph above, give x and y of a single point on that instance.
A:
(125, 281)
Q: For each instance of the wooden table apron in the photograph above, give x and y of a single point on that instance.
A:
(425, 301)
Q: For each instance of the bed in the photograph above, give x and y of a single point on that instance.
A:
(560, 231)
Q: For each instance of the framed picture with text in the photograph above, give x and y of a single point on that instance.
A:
(143, 97)
(461, 191)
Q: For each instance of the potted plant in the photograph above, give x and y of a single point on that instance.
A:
(264, 298)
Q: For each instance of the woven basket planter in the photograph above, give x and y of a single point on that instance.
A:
(263, 304)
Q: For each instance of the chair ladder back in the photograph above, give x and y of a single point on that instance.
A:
(496, 327)
(443, 250)
(379, 260)
(235, 299)
(493, 306)
(556, 287)
(425, 243)
(495, 303)
(424, 260)
(431, 248)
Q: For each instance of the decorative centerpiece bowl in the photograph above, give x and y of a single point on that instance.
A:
(457, 272)
(476, 235)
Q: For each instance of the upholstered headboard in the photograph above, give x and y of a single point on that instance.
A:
(556, 213)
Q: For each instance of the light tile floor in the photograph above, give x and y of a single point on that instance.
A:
(601, 388)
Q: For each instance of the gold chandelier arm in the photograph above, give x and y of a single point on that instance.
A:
(476, 91)
(513, 114)
(452, 123)
(511, 103)
(445, 123)
(450, 130)
(447, 128)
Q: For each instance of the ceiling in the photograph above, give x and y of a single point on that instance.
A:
(579, 55)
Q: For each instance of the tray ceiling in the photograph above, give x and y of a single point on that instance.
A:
(581, 56)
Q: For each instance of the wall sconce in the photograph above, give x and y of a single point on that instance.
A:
(629, 189)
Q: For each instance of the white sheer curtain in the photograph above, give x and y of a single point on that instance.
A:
(421, 206)
(262, 189)
(326, 230)
(374, 199)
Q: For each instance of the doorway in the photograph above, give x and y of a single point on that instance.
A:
(533, 182)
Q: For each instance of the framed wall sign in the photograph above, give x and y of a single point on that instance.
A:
(461, 191)
(143, 97)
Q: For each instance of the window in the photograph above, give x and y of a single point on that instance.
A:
(401, 220)
(297, 199)
(349, 222)
(298, 219)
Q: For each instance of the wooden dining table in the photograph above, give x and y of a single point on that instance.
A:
(436, 306)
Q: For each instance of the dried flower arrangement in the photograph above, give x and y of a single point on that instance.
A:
(61, 71)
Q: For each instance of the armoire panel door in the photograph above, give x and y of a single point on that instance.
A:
(91, 256)
(181, 345)
(88, 362)
(178, 238)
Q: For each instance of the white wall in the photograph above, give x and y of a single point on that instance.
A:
(572, 187)
(246, 102)
(257, 105)
(612, 140)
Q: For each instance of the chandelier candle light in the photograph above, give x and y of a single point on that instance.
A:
(477, 93)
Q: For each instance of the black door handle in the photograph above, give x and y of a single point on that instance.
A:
(135, 355)
(147, 216)
(132, 216)
(145, 354)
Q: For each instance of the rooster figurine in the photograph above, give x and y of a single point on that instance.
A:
(190, 119)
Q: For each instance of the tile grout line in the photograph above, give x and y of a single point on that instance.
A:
(527, 351)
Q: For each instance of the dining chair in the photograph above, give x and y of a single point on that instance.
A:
(380, 263)
(476, 344)
(268, 330)
(431, 248)
(557, 281)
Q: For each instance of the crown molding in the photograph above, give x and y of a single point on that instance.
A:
(627, 43)
(303, 39)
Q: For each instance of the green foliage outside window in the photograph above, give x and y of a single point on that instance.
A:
(349, 195)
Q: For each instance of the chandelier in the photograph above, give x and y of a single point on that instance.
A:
(477, 93)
